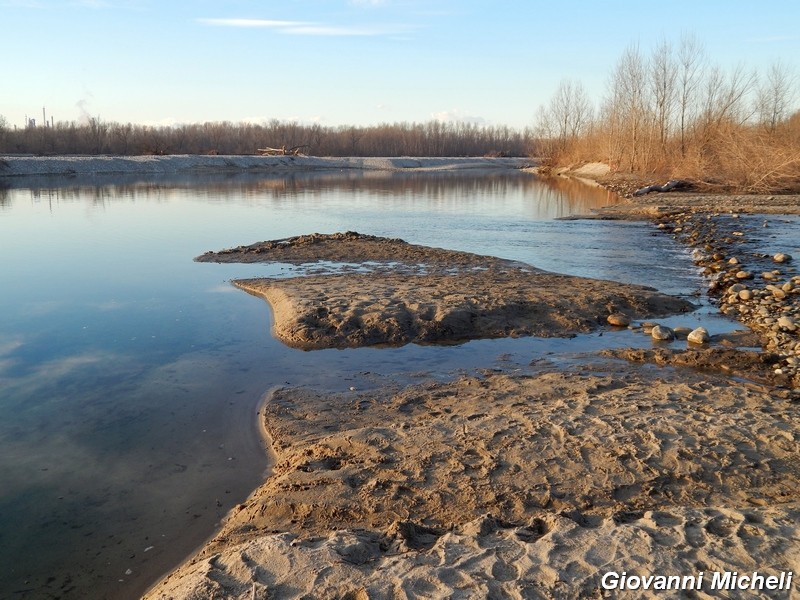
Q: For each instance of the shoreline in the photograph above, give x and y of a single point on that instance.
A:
(12, 166)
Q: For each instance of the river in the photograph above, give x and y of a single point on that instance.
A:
(130, 376)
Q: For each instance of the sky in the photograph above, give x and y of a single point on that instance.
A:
(350, 62)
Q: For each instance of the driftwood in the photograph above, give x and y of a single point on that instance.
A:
(673, 184)
(282, 151)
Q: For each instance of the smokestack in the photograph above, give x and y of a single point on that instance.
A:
(44, 118)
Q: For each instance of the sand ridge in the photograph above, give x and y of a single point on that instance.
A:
(421, 294)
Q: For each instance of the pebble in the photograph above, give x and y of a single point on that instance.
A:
(661, 332)
(699, 336)
(770, 305)
(777, 292)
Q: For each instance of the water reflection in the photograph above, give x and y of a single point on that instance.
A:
(560, 197)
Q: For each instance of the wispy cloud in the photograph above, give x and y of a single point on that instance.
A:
(456, 115)
(92, 3)
(369, 3)
(309, 27)
(264, 23)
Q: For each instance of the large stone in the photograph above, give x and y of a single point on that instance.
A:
(787, 323)
(618, 320)
(782, 257)
(699, 336)
(661, 332)
(777, 292)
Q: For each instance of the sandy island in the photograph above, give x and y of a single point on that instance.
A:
(419, 294)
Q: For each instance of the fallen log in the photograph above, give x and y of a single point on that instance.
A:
(282, 151)
(672, 184)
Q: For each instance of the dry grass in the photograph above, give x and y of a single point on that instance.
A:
(741, 159)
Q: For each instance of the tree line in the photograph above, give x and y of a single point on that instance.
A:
(674, 113)
(433, 138)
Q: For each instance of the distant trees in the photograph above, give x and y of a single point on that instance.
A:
(397, 139)
(673, 113)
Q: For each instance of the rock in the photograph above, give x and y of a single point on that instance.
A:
(786, 323)
(745, 295)
(781, 257)
(733, 261)
(777, 292)
(737, 287)
(681, 332)
(618, 320)
(661, 332)
(744, 275)
(699, 336)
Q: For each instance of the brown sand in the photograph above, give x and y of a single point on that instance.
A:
(422, 294)
(386, 494)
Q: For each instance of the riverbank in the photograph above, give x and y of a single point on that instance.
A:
(529, 481)
(27, 166)
(514, 485)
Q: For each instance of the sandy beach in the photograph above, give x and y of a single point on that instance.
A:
(546, 482)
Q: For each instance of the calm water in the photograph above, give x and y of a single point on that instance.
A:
(130, 376)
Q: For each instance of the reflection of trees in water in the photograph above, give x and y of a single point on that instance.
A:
(572, 197)
(546, 198)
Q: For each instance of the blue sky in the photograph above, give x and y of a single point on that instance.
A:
(349, 61)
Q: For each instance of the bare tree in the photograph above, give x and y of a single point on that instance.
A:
(627, 104)
(691, 58)
(776, 94)
(663, 78)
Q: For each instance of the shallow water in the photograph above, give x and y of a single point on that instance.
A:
(130, 376)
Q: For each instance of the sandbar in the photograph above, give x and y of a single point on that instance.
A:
(425, 295)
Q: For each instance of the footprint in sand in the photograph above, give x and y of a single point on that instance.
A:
(502, 571)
